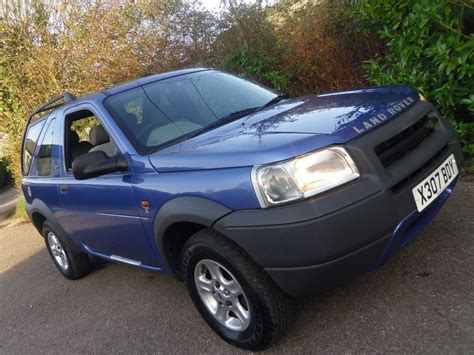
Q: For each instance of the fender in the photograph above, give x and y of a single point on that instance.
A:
(185, 209)
(39, 206)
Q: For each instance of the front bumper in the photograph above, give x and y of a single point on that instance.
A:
(315, 244)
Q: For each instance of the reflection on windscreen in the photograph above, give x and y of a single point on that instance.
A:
(161, 112)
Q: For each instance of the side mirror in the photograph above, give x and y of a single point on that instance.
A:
(97, 163)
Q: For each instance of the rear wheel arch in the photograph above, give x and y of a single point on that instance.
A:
(40, 214)
(38, 219)
(177, 220)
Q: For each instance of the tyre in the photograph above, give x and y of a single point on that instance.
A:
(233, 294)
(72, 264)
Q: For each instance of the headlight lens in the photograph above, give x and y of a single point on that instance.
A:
(303, 176)
(422, 98)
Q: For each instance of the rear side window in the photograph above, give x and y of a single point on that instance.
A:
(29, 145)
(45, 151)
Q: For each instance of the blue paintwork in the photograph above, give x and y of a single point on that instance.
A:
(229, 187)
(103, 215)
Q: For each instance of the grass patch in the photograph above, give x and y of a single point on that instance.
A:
(20, 209)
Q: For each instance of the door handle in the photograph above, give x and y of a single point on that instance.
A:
(63, 189)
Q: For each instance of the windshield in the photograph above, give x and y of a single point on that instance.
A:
(169, 110)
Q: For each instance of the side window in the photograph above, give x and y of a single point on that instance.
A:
(29, 145)
(83, 134)
(45, 151)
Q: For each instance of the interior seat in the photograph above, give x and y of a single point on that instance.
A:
(77, 148)
(100, 140)
(170, 131)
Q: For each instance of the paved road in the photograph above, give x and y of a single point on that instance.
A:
(8, 200)
(423, 301)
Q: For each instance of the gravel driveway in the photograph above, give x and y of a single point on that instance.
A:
(423, 301)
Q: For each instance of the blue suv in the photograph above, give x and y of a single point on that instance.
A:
(248, 196)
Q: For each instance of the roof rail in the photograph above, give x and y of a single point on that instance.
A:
(66, 96)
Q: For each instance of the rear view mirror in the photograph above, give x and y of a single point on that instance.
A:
(95, 164)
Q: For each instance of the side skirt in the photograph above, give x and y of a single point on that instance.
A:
(120, 259)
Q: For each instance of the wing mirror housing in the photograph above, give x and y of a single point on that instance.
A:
(97, 163)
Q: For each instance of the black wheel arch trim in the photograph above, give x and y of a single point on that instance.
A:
(38, 206)
(187, 209)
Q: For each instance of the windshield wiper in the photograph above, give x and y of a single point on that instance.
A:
(236, 115)
(274, 101)
(223, 120)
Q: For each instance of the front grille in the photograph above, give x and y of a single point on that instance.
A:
(416, 175)
(396, 147)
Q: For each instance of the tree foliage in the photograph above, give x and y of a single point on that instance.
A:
(298, 46)
(430, 45)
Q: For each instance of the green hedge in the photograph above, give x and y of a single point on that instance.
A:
(429, 45)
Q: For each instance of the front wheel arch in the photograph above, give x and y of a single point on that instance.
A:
(189, 213)
(174, 239)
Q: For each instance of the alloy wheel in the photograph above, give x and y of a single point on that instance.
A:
(58, 251)
(222, 295)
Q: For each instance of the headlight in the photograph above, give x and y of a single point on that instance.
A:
(303, 176)
(422, 98)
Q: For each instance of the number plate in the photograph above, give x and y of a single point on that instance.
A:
(432, 186)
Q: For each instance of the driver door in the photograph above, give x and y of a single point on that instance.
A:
(99, 213)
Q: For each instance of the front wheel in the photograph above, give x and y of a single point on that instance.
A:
(233, 294)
